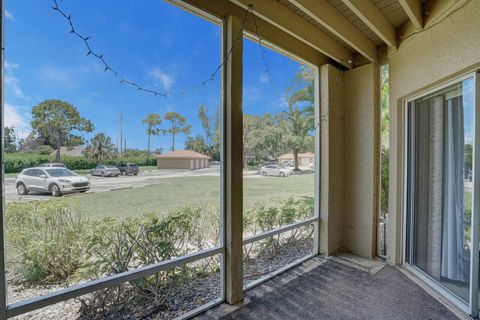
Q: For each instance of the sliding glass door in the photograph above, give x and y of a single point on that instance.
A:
(439, 188)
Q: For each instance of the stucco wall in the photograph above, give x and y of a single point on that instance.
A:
(164, 163)
(448, 49)
(332, 159)
(361, 160)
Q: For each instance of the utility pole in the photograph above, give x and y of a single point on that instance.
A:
(125, 150)
(121, 132)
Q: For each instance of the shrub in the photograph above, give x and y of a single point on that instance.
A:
(44, 150)
(262, 218)
(16, 162)
(50, 239)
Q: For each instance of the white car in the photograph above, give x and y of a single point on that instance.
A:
(104, 171)
(54, 180)
(275, 170)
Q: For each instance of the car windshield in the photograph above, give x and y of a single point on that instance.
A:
(60, 172)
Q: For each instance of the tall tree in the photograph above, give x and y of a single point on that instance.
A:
(206, 124)
(153, 122)
(298, 125)
(100, 148)
(9, 139)
(57, 121)
(302, 92)
(178, 125)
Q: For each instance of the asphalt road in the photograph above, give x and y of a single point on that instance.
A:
(103, 184)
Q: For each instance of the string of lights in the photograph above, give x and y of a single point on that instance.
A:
(124, 81)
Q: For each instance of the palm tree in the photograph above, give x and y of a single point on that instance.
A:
(153, 122)
(303, 91)
(100, 147)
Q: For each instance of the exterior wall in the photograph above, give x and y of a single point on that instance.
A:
(332, 160)
(361, 160)
(449, 48)
(192, 164)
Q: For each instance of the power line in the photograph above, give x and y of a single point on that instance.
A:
(135, 85)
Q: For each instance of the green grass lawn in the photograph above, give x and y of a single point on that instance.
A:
(172, 193)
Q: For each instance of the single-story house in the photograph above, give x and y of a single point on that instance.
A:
(182, 159)
(304, 159)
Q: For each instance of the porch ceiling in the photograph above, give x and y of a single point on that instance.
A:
(346, 32)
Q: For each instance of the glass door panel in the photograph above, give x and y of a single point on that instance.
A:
(440, 195)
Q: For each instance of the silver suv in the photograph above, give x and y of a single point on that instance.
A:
(54, 180)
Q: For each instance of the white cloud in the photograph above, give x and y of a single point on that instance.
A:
(14, 118)
(12, 83)
(165, 79)
(9, 15)
(56, 74)
(252, 94)
(264, 78)
(10, 66)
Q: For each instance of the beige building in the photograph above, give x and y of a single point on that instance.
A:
(182, 159)
(304, 159)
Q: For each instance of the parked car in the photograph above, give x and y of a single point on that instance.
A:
(55, 180)
(105, 171)
(128, 168)
(52, 165)
(275, 170)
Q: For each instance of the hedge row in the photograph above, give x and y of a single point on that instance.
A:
(15, 163)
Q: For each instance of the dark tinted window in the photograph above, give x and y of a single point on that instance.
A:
(30, 172)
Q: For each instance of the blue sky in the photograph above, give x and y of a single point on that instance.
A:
(150, 42)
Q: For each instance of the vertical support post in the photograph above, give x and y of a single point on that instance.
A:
(233, 158)
(318, 163)
(3, 280)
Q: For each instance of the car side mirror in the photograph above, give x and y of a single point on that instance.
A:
(43, 176)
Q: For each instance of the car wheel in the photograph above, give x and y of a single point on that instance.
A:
(264, 174)
(124, 173)
(103, 174)
(55, 190)
(83, 191)
(135, 174)
(282, 174)
(21, 189)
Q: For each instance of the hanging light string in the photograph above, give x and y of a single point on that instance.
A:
(124, 81)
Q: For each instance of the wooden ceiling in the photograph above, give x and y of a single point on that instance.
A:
(343, 31)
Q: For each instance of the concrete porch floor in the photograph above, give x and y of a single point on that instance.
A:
(327, 289)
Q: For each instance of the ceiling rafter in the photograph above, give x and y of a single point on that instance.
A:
(414, 11)
(368, 12)
(286, 20)
(325, 14)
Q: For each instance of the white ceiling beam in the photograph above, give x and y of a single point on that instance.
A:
(322, 12)
(286, 20)
(413, 8)
(368, 12)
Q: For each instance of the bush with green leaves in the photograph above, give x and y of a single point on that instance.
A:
(16, 162)
(262, 218)
(49, 238)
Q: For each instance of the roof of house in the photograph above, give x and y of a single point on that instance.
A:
(76, 151)
(289, 156)
(183, 154)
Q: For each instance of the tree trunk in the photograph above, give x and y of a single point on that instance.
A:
(173, 141)
(295, 159)
(148, 147)
(57, 154)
